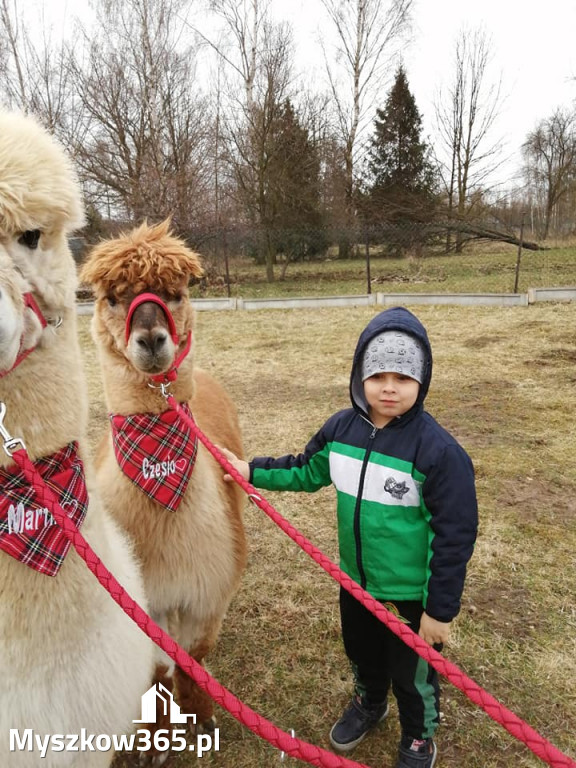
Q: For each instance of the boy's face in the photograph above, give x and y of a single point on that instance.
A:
(389, 395)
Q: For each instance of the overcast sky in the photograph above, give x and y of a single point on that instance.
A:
(533, 46)
(533, 49)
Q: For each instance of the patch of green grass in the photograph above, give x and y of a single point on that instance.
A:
(479, 269)
(504, 384)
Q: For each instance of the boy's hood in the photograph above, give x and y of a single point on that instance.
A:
(394, 319)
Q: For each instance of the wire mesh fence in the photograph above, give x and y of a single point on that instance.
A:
(402, 258)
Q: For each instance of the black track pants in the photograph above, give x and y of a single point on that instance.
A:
(380, 659)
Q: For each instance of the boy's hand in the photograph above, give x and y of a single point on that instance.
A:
(238, 464)
(432, 631)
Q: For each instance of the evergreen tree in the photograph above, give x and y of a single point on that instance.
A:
(278, 176)
(401, 179)
(294, 187)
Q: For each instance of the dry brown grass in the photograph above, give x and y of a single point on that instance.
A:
(504, 384)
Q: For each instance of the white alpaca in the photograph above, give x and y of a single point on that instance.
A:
(69, 657)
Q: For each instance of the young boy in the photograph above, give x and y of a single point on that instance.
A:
(407, 522)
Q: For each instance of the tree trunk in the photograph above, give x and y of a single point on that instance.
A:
(270, 257)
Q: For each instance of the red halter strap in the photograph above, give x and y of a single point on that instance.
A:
(172, 374)
(142, 298)
(30, 302)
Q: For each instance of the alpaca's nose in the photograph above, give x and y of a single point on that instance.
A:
(152, 341)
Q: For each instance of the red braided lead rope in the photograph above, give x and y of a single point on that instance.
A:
(296, 748)
(505, 717)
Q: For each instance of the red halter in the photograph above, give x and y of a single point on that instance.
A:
(172, 374)
(30, 302)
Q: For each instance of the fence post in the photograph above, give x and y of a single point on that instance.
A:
(367, 246)
(226, 262)
(519, 256)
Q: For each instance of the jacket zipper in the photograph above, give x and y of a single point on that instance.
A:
(357, 536)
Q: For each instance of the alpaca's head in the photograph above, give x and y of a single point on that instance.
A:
(40, 205)
(150, 259)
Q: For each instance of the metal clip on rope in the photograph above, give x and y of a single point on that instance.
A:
(163, 386)
(10, 443)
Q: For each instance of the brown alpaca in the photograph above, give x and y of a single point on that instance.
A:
(192, 557)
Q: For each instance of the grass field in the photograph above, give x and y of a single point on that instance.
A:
(483, 268)
(504, 383)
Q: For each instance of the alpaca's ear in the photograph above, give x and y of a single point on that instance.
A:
(90, 270)
(193, 265)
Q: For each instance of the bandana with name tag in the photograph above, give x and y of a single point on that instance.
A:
(157, 452)
(28, 532)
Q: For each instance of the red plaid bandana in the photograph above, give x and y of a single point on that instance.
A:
(157, 452)
(28, 531)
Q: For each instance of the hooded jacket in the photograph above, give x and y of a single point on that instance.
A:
(406, 498)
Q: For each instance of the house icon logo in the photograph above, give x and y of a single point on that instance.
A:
(158, 692)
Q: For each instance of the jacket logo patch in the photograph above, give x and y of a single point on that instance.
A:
(395, 489)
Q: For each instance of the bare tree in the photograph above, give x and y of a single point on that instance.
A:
(12, 54)
(466, 118)
(34, 74)
(145, 148)
(367, 32)
(550, 161)
(245, 22)
(258, 54)
(252, 150)
(315, 114)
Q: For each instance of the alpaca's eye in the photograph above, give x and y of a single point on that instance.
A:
(111, 301)
(30, 238)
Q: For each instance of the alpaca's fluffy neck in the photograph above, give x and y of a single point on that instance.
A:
(126, 389)
(45, 395)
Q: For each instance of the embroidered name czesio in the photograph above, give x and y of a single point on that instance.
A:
(157, 452)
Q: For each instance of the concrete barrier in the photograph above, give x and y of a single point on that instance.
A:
(304, 302)
(460, 299)
(551, 294)
(216, 304)
(532, 296)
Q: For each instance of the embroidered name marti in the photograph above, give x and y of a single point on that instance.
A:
(21, 519)
(28, 530)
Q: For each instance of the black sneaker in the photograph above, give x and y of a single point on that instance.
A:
(356, 721)
(416, 753)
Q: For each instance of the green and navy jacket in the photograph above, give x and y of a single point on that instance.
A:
(406, 499)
